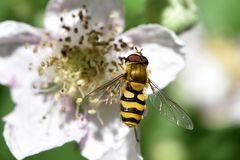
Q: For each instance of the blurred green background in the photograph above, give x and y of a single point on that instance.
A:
(160, 140)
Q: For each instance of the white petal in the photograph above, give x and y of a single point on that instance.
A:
(27, 132)
(100, 11)
(128, 148)
(207, 81)
(14, 70)
(204, 79)
(162, 48)
(112, 135)
(13, 34)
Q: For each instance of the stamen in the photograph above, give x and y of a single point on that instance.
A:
(57, 97)
(92, 111)
(63, 109)
(67, 28)
(80, 64)
(68, 39)
(75, 30)
(79, 101)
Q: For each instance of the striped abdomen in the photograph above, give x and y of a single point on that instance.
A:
(132, 103)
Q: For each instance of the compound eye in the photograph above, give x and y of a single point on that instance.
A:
(133, 58)
(144, 60)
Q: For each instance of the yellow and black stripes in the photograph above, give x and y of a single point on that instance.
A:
(132, 105)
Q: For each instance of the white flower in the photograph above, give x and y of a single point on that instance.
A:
(57, 66)
(210, 77)
(204, 75)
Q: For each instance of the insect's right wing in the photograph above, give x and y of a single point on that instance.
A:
(168, 108)
(105, 94)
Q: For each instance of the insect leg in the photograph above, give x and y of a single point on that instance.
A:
(99, 118)
(136, 134)
(122, 61)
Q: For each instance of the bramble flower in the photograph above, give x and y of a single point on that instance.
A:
(49, 71)
(211, 76)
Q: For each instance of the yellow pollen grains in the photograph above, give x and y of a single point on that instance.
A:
(57, 97)
(92, 111)
(78, 101)
(79, 61)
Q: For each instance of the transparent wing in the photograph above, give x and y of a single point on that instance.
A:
(168, 108)
(107, 93)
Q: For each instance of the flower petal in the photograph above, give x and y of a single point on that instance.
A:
(162, 48)
(37, 124)
(15, 70)
(113, 135)
(57, 8)
(129, 149)
(205, 79)
(13, 34)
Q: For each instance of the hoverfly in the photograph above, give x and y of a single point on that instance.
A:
(129, 90)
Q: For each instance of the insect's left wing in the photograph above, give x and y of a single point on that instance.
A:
(105, 94)
(168, 108)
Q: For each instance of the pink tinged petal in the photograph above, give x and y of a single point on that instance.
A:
(109, 9)
(37, 124)
(102, 139)
(13, 34)
(162, 48)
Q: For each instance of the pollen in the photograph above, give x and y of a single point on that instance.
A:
(79, 59)
(92, 111)
(78, 101)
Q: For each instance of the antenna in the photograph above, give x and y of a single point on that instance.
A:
(139, 52)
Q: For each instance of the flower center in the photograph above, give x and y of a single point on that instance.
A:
(79, 60)
(79, 70)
